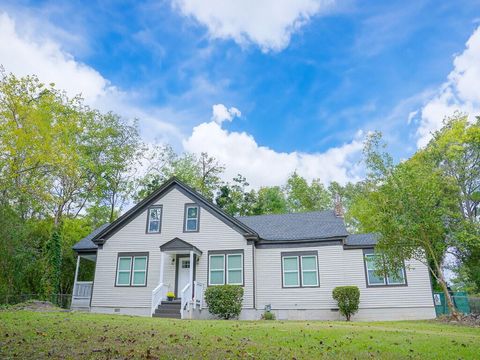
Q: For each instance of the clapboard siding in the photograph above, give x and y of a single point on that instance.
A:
(214, 234)
(337, 267)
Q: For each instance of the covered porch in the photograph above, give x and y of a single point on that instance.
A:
(188, 292)
(83, 282)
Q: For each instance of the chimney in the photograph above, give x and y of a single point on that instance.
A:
(338, 207)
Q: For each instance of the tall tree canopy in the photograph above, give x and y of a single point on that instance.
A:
(58, 158)
(414, 207)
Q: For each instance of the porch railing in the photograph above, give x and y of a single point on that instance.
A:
(158, 294)
(82, 290)
(198, 294)
(186, 299)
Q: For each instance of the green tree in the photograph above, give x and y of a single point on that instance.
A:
(235, 198)
(303, 197)
(413, 207)
(200, 172)
(270, 200)
(455, 150)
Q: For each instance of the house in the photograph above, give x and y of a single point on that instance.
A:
(176, 240)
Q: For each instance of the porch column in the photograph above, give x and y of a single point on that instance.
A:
(74, 293)
(191, 273)
(162, 266)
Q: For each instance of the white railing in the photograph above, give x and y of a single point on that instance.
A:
(198, 294)
(158, 294)
(186, 299)
(83, 289)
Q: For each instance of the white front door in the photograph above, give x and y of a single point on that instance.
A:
(183, 274)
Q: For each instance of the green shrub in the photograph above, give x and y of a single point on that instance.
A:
(224, 301)
(348, 299)
(268, 315)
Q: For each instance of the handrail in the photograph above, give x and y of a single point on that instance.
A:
(185, 300)
(198, 294)
(158, 294)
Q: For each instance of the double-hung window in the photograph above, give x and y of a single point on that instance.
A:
(154, 220)
(132, 269)
(225, 267)
(376, 276)
(192, 218)
(300, 269)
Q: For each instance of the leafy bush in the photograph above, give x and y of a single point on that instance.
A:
(224, 301)
(348, 299)
(268, 315)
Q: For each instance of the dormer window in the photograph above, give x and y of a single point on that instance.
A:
(154, 221)
(192, 218)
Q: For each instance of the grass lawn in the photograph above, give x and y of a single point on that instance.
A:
(41, 335)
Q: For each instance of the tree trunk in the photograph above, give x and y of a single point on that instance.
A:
(451, 306)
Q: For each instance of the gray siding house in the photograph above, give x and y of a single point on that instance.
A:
(177, 241)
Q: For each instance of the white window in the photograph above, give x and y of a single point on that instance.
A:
(124, 271)
(299, 270)
(217, 269)
(235, 269)
(154, 219)
(309, 271)
(191, 217)
(226, 268)
(291, 276)
(132, 270)
(375, 275)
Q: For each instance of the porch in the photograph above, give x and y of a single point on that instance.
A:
(188, 292)
(82, 289)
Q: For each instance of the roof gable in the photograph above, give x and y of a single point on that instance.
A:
(178, 244)
(172, 183)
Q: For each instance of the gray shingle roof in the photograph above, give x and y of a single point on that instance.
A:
(281, 227)
(297, 226)
(361, 239)
(86, 243)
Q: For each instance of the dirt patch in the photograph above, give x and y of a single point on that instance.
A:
(35, 305)
(468, 320)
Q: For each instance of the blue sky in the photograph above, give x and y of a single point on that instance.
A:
(309, 77)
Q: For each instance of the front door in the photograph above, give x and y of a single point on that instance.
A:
(183, 274)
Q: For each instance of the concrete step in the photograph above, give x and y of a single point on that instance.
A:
(167, 311)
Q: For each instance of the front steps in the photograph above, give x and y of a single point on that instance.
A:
(168, 309)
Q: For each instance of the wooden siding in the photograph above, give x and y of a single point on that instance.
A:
(337, 267)
(214, 234)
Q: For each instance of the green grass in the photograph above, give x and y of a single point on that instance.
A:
(41, 335)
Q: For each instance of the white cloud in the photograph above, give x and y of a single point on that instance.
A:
(267, 23)
(221, 113)
(23, 54)
(461, 91)
(263, 166)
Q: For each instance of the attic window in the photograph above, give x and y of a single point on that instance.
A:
(154, 220)
(192, 217)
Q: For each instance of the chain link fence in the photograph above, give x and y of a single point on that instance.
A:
(60, 300)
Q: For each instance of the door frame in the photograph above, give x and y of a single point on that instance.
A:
(177, 264)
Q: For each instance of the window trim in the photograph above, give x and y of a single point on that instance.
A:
(225, 254)
(291, 271)
(148, 219)
(185, 218)
(227, 280)
(299, 255)
(132, 256)
(370, 251)
(302, 270)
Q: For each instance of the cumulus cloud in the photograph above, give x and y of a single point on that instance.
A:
(461, 91)
(221, 113)
(266, 23)
(22, 54)
(263, 166)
